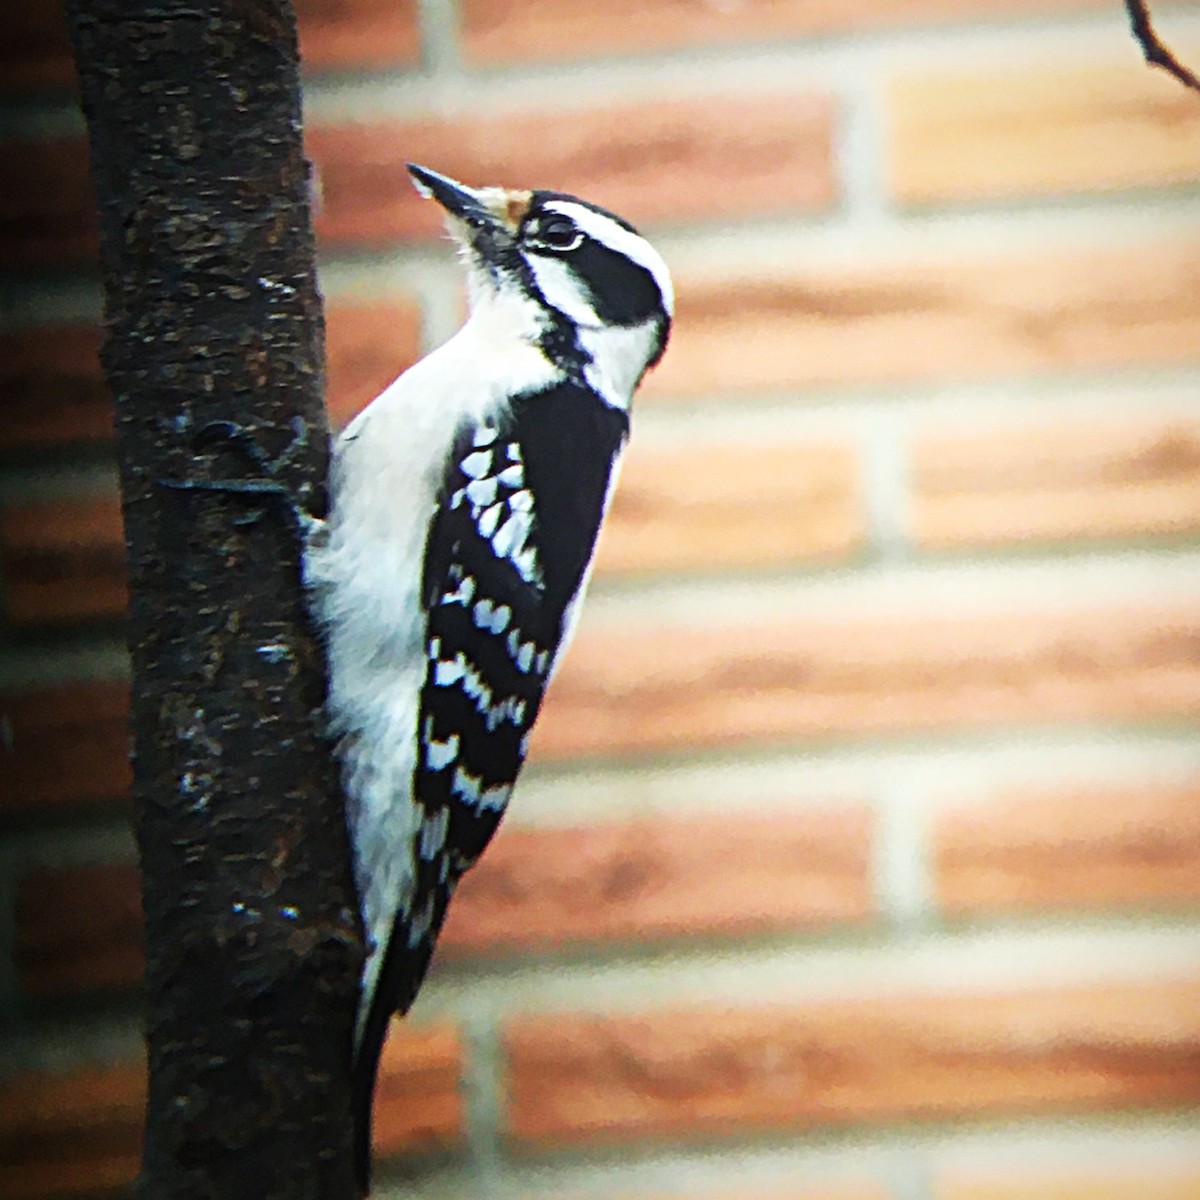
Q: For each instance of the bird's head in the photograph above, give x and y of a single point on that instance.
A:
(599, 287)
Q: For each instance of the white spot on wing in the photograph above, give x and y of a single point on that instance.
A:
(477, 464)
(433, 834)
(461, 594)
(527, 566)
(469, 789)
(488, 520)
(511, 536)
(491, 618)
(439, 755)
(482, 492)
(446, 674)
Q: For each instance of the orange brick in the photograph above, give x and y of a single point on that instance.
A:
(808, 1191)
(82, 1170)
(549, 888)
(1049, 482)
(69, 746)
(636, 689)
(79, 1132)
(357, 34)
(334, 34)
(63, 561)
(520, 30)
(367, 346)
(1145, 1182)
(51, 390)
(733, 505)
(79, 929)
(1136, 846)
(702, 1072)
(1037, 130)
(673, 160)
(955, 318)
(418, 1101)
(76, 1133)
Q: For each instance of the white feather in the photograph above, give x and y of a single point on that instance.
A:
(366, 573)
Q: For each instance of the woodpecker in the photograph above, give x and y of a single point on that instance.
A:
(465, 503)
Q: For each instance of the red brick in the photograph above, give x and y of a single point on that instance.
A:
(79, 929)
(527, 30)
(1136, 846)
(69, 746)
(63, 561)
(712, 1071)
(334, 34)
(674, 160)
(549, 888)
(1040, 129)
(51, 389)
(1087, 479)
(953, 317)
(1145, 1181)
(53, 393)
(637, 689)
(47, 206)
(736, 504)
(79, 1132)
(35, 53)
(694, 509)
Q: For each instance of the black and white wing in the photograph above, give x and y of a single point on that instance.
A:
(490, 645)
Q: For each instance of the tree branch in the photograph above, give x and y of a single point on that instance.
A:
(214, 354)
(1156, 53)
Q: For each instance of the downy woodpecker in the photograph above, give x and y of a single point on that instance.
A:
(465, 502)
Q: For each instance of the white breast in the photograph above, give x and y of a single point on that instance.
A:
(366, 574)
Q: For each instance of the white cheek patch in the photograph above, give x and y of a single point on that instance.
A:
(618, 359)
(624, 241)
(558, 284)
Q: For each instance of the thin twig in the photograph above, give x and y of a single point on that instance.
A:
(1156, 53)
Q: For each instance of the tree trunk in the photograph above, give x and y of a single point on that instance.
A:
(213, 321)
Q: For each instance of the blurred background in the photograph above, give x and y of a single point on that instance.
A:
(859, 856)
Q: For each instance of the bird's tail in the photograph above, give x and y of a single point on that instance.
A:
(399, 978)
(362, 1083)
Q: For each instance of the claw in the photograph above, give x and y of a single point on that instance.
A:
(215, 433)
(303, 522)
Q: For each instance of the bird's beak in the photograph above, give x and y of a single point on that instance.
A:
(484, 210)
(457, 199)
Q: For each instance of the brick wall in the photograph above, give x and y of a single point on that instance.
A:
(859, 858)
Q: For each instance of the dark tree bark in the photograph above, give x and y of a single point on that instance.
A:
(213, 322)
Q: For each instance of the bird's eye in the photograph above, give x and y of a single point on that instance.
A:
(554, 233)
